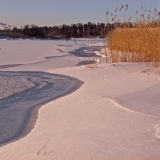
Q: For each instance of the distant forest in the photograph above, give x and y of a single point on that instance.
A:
(64, 31)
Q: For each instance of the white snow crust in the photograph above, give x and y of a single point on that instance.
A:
(114, 115)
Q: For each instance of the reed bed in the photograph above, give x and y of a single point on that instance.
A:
(138, 41)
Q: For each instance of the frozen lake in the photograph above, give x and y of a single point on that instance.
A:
(112, 111)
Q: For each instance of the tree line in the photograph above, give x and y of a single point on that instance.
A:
(66, 31)
(62, 31)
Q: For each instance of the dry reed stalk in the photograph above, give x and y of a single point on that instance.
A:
(137, 43)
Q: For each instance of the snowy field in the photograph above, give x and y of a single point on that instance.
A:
(114, 114)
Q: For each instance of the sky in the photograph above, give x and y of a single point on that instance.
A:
(57, 12)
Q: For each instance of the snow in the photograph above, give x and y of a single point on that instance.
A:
(113, 115)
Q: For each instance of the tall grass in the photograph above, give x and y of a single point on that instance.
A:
(138, 41)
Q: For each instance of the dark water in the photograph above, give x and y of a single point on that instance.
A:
(15, 110)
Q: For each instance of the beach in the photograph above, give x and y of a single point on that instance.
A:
(108, 112)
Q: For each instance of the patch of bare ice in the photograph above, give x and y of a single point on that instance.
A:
(11, 85)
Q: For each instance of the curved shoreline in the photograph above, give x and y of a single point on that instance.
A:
(55, 86)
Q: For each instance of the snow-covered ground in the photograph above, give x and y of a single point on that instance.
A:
(114, 115)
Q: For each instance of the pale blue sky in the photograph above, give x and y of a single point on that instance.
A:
(56, 12)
